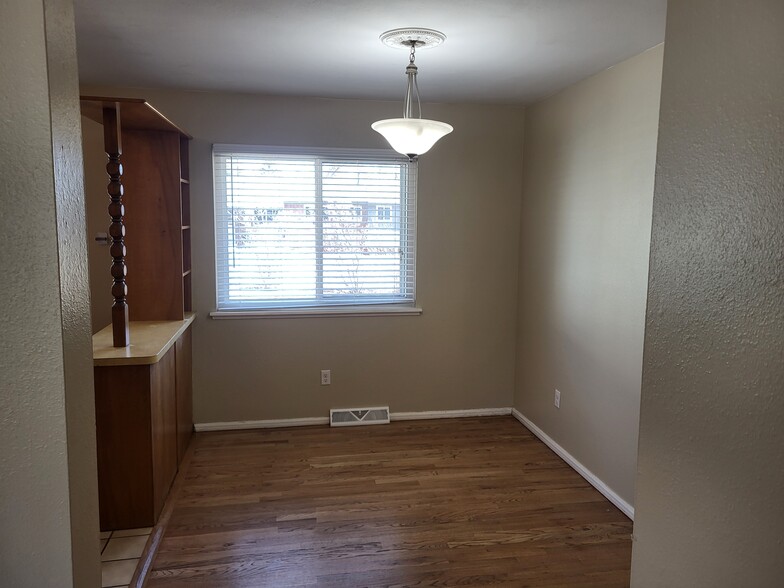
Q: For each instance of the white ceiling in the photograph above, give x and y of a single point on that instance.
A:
(513, 51)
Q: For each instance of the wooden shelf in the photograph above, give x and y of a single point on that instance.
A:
(186, 250)
(186, 295)
(185, 221)
(155, 165)
(136, 113)
(185, 204)
(185, 168)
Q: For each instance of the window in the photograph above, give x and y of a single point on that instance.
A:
(317, 228)
(384, 213)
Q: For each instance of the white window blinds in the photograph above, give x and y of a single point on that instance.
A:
(313, 228)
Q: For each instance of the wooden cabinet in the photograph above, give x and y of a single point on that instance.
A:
(144, 415)
(184, 393)
(143, 419)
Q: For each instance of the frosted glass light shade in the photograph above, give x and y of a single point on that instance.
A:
(411, 136)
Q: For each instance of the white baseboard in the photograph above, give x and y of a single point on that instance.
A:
(309, 421)
(448, 414)
(267, 424)
(592, 478)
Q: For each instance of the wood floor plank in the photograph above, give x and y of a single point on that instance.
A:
(460, 502)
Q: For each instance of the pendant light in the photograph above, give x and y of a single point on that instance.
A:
(412, 135)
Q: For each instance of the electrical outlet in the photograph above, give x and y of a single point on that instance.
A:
(557, 398)
(326, 377)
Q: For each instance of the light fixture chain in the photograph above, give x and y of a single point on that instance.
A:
(412, 88)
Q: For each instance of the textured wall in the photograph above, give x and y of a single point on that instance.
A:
(588, 170)
(74, 288)
(95, 182)
(459, 354)
(710, 510)
(48, 504)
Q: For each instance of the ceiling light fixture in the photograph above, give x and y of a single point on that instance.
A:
(412, 135)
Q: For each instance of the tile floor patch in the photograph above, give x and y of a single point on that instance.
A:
(124, 548)
(117, 573)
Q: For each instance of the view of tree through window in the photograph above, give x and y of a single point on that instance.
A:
(310, 231)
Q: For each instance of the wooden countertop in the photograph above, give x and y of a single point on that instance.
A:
(150, 340)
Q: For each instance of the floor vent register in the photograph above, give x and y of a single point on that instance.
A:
(346, 417)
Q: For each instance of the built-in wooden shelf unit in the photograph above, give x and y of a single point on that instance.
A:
(142, 362)
(151, 235)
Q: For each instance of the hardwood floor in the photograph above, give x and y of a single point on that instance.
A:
(460, 502)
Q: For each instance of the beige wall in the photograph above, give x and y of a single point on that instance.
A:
(710, 510)
(48, 488)
(588, 185)
(458, 355)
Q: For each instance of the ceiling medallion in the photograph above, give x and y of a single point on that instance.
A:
(403, 38)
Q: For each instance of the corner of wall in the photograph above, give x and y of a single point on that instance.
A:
(588, 169)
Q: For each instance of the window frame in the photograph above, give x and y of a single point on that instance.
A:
(334, 305)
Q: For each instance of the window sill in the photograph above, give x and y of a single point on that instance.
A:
(317, 312)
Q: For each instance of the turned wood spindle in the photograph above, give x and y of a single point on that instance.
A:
(113, 146)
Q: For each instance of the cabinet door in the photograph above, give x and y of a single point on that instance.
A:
(124, 436)
(184, 393)
(163, 413)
